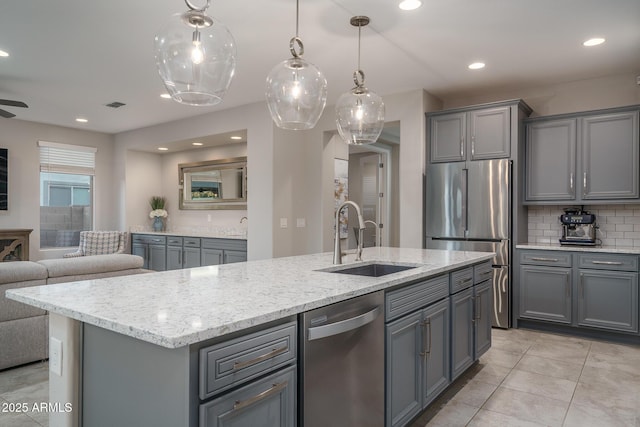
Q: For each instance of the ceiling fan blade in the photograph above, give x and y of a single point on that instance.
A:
(11, 103)
(6, 114)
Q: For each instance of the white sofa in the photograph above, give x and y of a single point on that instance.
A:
(24, 329)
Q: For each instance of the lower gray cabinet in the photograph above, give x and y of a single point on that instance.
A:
(483, 307)
(417, 361)
(223, 251)
(211, 256)
(462, 330)
(231, 256)
(545, 293)
(153, 249)
(268, 402)
(191, 257)
(608, 300)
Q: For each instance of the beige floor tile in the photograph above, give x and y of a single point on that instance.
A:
(11, 379)
(608, 401)
(512, 344)
(453, 414)
(550, 367)
(627, 352)
(13, 419)
(488, 373)
(527, 407)
(31, 395)
(612, 377)
(574, 351)
(496, 356)
(622, 362)
(475, 393)
(598, 416)
(542, 385)
(485, 418)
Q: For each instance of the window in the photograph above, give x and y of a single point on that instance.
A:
(66, 188)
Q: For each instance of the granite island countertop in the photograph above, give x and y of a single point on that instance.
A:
(182, 307)
(577, 248)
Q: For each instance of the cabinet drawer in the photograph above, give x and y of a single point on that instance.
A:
(149, 239)
(174, 241)
(225, 244)
(412, 297)
(191, 242)
(550, 258)
(461, 279)
(238, 360)
(482, 272)
(600, 261)
(270, 401)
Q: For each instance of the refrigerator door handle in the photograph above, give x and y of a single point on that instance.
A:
(465, 202)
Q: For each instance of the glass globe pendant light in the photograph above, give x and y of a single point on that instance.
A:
(296, 90)
(196, 57)
(359, 112)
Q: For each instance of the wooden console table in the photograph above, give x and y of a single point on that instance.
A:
(14, 244)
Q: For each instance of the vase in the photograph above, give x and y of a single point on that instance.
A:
(158, 225)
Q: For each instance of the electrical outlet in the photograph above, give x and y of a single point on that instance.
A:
(301, 222)
(55, 356)
(283, 223)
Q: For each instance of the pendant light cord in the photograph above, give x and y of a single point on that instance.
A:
(297, 16)
(359, 34)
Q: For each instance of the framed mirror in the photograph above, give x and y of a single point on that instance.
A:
(213, 184)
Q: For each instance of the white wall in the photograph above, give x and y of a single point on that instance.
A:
(21, 138)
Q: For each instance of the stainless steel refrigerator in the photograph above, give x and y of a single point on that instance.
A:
(468, 207)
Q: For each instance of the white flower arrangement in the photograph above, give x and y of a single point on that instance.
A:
(158, 213)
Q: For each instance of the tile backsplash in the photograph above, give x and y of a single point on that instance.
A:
(618, 225)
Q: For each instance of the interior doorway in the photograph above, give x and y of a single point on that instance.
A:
(373, 182)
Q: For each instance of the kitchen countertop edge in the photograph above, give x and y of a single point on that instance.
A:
(576, 248)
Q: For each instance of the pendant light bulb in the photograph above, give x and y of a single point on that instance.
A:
(296, 90)
(359, 112)
(195, 56)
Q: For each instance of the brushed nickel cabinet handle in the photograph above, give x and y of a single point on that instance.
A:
(239, 404)
(462, 147)
(581, 286)
(426, 337)
(273, 353)
(545, 259)
(467, 280)
(607, 262)
(584, 184)
(571, 182)
(567, 286)
(473, 145)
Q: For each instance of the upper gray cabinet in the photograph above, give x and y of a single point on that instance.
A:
(476, 134)
(583, 158)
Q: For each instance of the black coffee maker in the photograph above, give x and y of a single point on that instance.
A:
(578, 227)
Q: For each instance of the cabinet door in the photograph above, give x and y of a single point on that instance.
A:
(608, 300)
(269, 402)
(545, 293)
(436, 332)
(191, 257)
(483, 298)
(174, 257)
(234, 256)
(404, 369)
(157, 257)
(490, 133)
(462, 332)
(551, 160)
(610, 153)
(211, 256)
(447, 136)
(140, 249)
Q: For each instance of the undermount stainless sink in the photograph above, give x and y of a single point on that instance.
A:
(372, 270)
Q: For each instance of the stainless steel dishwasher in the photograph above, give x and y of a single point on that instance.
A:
(342, 364)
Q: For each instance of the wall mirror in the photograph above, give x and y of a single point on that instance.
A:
(214, 184)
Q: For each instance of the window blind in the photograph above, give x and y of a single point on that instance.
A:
(66, 158)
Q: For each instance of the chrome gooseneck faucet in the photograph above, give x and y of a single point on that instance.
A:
(337, 251)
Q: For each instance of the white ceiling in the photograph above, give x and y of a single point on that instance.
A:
(69, 58)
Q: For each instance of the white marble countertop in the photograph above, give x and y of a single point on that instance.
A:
(575, 248)
(181, 307)
(204, 234)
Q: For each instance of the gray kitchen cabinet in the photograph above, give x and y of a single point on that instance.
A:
(231, 256)
(583, 158)
(174, 253)
(551, 160)
(545, 293)
(191, 257)
(608, 291)
(211, 256)
(269, 402)
(476, 134)
(223, 251)
(152, 249)
(462, 349)
(183, 252)
(417, 361)
(483, 308)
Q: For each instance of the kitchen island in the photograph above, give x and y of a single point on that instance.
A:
(131, 345)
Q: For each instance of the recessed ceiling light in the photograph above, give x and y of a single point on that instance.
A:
(3, 53)
(593, 42)
(163, 149)
(236, 137)
(476, 65)
(197, 144)
(409, 4)
(165, 96)
(81, 120)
